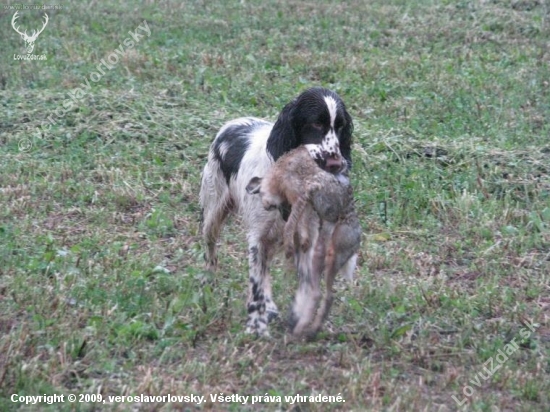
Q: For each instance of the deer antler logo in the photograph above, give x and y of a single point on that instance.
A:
(29, 40)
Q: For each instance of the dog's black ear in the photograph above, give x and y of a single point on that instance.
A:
(253, 186)
(283, 136)
(346, 138)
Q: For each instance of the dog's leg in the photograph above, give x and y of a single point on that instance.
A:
(216, 204)
(261, 307)
(214, 215)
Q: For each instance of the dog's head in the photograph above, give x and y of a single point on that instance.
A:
(317, 119)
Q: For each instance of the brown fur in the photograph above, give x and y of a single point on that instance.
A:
(323, 230)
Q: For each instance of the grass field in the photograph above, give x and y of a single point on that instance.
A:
(101, 271)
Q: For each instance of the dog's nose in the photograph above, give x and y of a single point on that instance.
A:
(333, 164)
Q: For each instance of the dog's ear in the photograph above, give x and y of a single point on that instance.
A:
(283, 136)
(253, 187)
(346, 138)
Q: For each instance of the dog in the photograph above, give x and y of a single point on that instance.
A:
(247, 147)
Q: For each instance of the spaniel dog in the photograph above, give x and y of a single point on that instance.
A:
(247, 147)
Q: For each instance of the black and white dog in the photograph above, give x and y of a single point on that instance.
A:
(247, 147)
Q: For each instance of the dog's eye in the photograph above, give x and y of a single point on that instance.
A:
(317, 126)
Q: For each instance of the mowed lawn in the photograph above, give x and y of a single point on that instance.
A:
(102, 143)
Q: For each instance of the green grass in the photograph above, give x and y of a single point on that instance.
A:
(102, 286)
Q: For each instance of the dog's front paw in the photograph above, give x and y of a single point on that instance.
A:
(257, 325)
